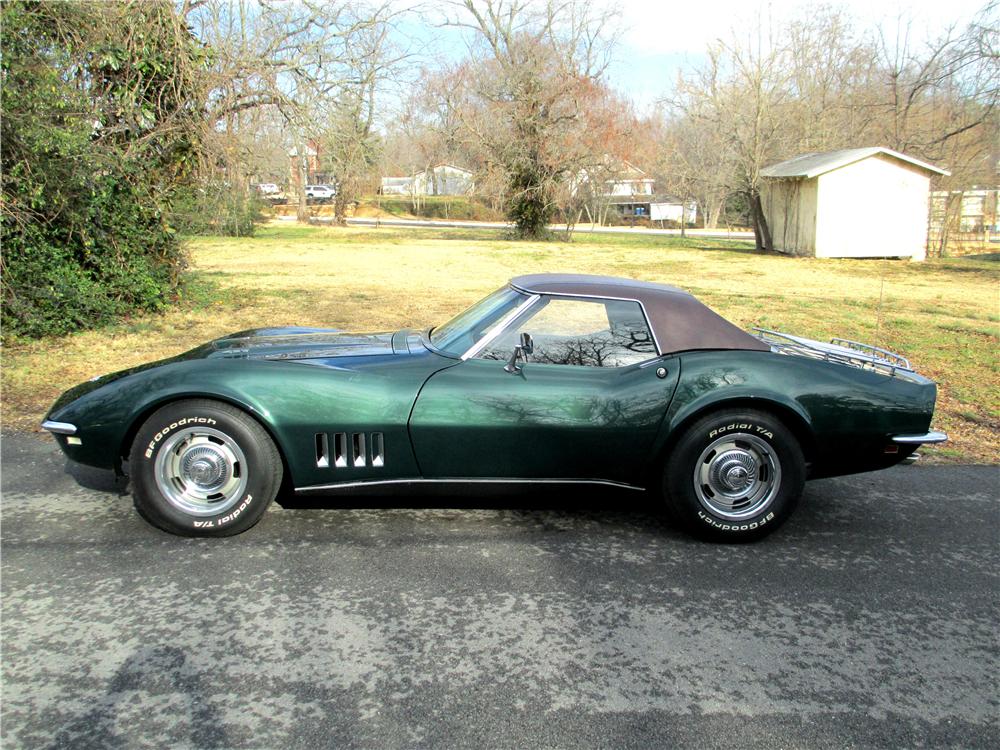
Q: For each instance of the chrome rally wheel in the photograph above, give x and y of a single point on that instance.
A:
(734, 475)
(203, 468)
(201, 471)
(737, 476)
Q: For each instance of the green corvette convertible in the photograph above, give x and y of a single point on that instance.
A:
(561, 380)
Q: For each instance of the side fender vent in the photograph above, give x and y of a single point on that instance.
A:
(350, 449)
(340, 450)
(358, 450)
(322, 450)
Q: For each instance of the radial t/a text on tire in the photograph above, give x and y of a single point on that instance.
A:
(203, 468)
(734, 475)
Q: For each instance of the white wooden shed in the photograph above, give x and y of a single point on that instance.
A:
(443, 179)
(853, 203)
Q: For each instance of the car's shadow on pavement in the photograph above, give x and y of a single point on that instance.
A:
(609, 505)
(820, 508)
(100, 480)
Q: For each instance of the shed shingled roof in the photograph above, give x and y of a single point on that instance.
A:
(815, 164)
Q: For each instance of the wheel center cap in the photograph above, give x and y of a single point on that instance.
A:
(737, 477)
(733, 471)
(205, 467)
(203, 472)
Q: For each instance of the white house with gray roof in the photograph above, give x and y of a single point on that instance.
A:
(441, 179)
(852, 203)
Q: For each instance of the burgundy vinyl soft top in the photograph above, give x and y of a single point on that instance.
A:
(679, 321)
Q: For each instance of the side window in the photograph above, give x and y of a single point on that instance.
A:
(589, 333)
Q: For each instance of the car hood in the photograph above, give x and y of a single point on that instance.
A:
(287, 344)
(298, 343)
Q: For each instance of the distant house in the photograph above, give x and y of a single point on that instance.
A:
(853, 203)
(396, 186)
(310, 155)
(631, 194)
(664, 208)
(441, 179)
(631, 181)
(974, 210)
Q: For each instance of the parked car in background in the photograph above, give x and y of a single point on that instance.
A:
(320, 193)
(271, 192)
(553, 380)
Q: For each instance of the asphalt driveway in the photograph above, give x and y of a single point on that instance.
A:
(871, 619)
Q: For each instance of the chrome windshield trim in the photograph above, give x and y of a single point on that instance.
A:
(500, 326)
(59, 428)
(930, 437)
(652, 331)
(491, 480)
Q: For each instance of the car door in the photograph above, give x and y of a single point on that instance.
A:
(585, 404)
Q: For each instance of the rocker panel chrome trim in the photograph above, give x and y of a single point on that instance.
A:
(335, 486)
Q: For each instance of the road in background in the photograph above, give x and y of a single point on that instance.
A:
(580, 228)
(870, 619)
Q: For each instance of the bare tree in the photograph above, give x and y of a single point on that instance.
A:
(822, 85)
(939, 100)
(534, 68)
(300, 60)
(351, 147)
(690, 161)
(741, 95)
(428, 130)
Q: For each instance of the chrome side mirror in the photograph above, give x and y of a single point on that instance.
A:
(527, 346)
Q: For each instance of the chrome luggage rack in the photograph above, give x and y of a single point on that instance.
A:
(841, 351)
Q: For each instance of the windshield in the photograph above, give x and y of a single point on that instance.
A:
(460, 333)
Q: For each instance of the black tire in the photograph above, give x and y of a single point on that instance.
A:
(203, 468)
(734, 476)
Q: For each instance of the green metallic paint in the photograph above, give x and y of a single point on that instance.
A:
(848, 412)
(478, 420)
(293, 400)
(442, 417)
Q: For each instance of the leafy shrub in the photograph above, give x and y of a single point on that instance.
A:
(216, 209)
(97, 132)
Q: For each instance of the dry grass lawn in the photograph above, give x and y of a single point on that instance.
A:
(943, 315)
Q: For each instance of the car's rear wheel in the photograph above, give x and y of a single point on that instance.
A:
(734, 476)
(203, 468)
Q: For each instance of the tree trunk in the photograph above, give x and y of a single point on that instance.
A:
(712, 216)
(530, 213)
(761, 232)
(302, 212)
(340, 202)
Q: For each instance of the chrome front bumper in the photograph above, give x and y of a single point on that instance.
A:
(929, 437)
(59, 428)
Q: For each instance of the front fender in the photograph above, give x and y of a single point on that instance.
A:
(292, 400)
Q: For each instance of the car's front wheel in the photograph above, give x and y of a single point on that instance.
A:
(734, 476)
(203, 468)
